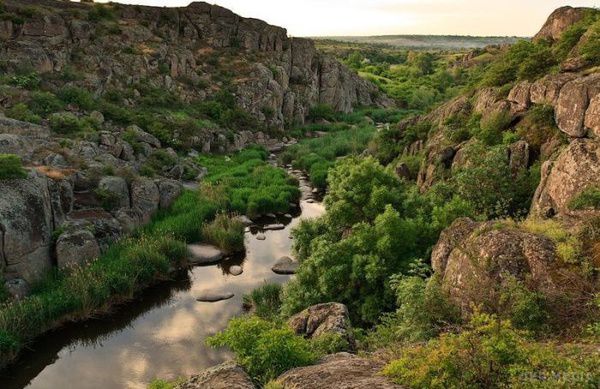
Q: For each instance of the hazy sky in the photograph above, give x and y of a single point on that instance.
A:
(384, 17)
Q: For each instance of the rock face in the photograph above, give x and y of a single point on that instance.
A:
(26, 225)
(117, 188)
(225, 376)
(473, 260)
(323, 319)
(76, 248)
(576, 169)
(558, 22)
(342, 370)
(291, 77)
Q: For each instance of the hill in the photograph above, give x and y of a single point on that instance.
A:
(426, 42)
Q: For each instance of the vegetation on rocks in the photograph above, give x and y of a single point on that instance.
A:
(11, 167)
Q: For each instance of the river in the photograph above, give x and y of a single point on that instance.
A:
(162, 332)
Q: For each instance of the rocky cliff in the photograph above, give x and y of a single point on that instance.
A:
(93, 177)
(276, 78)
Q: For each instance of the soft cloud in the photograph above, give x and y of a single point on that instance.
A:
(384, 17)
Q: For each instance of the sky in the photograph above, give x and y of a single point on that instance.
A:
(389, 17)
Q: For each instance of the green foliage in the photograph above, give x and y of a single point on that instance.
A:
(490, 354)
(28, 81)
(100, 12)
(490, 186)
(588, 198)
(538, 126)
(161, 384)
(66, 123)
(526, 309)
(250, 185)
(109, 200)
(490, 129)
(568, 246)
(21, 112)
(424, 311)
(225, 232)
(316, 156)
(329, 343)
(263, 348)
(77, 96)
(11, 167)
(264, 301)
(44, 103)
(590, 49)
(321, 112)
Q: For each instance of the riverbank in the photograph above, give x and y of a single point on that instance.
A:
(242, 183)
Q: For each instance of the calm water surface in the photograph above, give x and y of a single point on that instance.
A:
(161, 334)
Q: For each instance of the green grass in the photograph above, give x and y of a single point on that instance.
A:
(317, 155)
(225, 232)
(11, 167)
(587, 199)
(245, 183)
(150, 255)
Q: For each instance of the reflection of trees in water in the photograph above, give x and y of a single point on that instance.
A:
(89, 333)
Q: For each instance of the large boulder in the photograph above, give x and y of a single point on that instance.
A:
(320, 319)
(225, 376)
(340, 371)
(169, 191)
(576, 169)
(76, 248)
(572, 105)
(145, 197)
(558, 22)
(474, 260)
(26, 225)
(117, 189)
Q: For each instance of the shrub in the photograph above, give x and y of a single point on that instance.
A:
(66, 123)
(538, 126)
(588, 198)
(11, 167)
(100, 12)
(568, 246)
(526, 309)
(423, 312)
(263, 348)
(225, 232)
(21, 112)
(26, 81)
(491, 128)
(44, 103)
(489, 353)
(77, 96)
(590, 50)
(321, 111)
(329, 343)
(264, 301)
(109, 200)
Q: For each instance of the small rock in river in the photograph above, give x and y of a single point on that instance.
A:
(261, 237)
(285, 265)
(236, 270)
(271, 215)
(213, 297)
(204, 254)
(274, 227)
(287, 215)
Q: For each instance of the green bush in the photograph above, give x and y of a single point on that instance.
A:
(21, 112)
(491, 128)
(321, 112)
(264, 301)
(587, 199)
(100, 12)
(590, 50)
(490, 353)
(29, 81)
(77, 96)
(526, 309)
(263, 348)
(11, 167)
(44, 103)
(225, 232)
(66, 123)
(424, 311)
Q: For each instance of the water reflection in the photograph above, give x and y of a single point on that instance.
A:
(161, 334)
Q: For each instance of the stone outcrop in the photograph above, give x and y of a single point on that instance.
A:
(342, 371)
(576, 169)
(26, 225)
(558, 22)
(290, 77)
(76, 248)
(320, 319)
(473, 261)
(225, 376)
